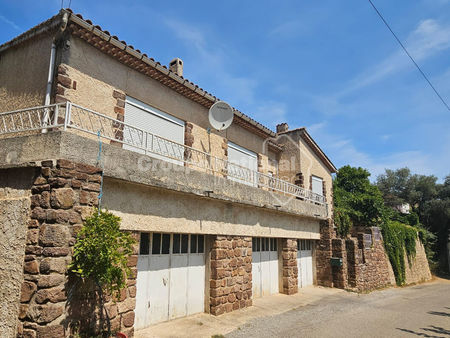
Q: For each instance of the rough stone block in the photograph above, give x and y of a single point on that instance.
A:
(62, 198)
(54, 235)
(27, 291)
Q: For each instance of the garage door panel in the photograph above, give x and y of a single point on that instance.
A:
(171, 280)
(305, 263)
(178, 286)
(196, 278)
(265, 270)
(158, 289)
(142, 292)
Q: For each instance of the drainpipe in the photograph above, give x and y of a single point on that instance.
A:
(48, 91)
(51, 69)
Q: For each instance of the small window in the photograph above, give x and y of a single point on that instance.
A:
(258, 244)
(193, 243)
(156, 244)
(201, 244)
(267, 240)
(184, 243)
(273, 244)
(176, 244)
(263, 244)
(144, 243)
(317, 185)
(254, 243)
(165, 244)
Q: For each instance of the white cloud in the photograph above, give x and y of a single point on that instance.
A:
(428, 39)
(211, 61)
(9, 22)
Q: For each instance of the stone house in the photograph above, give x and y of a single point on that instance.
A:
(221, 217)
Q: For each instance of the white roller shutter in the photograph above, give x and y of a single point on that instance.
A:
(317, 185)
(165, 127)
(244, 158)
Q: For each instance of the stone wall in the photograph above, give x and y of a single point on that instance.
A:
(230, 282)
(15, 188)
(417, 270)
(289, 266)
(324, 253)
(62, 196)
(365, 264)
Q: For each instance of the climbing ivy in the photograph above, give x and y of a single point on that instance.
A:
(399, 239)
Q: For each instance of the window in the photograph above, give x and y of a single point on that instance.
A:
(144, 243)
(149, 119)
(264, 244)
(304, 244)
(317, 185)
(242, 164)
(156, 244)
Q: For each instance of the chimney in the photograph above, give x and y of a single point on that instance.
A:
(282, 127)
(176, 66)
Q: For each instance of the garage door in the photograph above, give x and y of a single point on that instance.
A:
(171, 277)
(304, 263)
(166, 131)
(265, 270)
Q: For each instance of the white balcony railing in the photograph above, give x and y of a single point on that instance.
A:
(70, 115)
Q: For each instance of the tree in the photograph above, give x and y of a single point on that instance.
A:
(357, 201)
(100, 256)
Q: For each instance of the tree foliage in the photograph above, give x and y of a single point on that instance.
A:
(101, 252)
(357, 202)
(430, 208)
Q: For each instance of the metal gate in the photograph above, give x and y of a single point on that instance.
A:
(171, 277)
(265, 270)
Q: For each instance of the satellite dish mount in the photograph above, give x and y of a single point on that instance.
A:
(220, 115)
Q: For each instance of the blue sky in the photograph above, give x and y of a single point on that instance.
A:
(329, 65)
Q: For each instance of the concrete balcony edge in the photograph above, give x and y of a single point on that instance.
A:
(142, 169)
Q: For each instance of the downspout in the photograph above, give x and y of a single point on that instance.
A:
(51, 69)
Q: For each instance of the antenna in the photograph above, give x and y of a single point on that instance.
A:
(220, 115)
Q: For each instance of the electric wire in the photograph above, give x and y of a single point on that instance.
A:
(412, 59)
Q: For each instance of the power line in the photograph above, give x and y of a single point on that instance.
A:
(412, 59)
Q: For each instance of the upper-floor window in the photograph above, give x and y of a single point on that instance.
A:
(243, 164)
(156, 132)
(317, 185)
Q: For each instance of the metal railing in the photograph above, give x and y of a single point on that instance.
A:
(70, 115)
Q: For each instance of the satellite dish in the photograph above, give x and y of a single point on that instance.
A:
(220, 115)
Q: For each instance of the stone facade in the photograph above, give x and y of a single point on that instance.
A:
(62, 196)
(339, 273)
(289, 266)
(230, 282)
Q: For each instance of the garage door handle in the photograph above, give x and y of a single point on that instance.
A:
(148, 305)
(164, 281)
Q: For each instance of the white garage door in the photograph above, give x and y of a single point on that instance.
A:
(243, 164)
(166, 129)
(304, 262)
(265, 270)
(171, 277)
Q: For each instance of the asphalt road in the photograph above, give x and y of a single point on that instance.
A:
(422, 310)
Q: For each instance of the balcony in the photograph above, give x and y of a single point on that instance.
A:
(44, 120)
